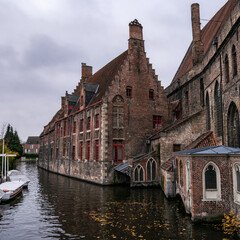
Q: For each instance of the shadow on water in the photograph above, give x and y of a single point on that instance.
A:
(94, 212)
(57, 207)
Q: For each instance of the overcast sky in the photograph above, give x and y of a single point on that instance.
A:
(43, 42)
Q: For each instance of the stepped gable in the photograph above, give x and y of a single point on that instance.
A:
(207, 35)
(106, 75)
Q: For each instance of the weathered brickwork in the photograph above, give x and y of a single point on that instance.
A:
(125, 100)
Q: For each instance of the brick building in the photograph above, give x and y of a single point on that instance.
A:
(32, 145)
(120, 125)
(107, 118)
(204, 104)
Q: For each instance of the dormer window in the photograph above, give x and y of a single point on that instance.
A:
(129, 92)
(151, 94)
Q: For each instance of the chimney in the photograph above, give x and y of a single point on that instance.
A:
(135, 45)
(135, 30)
(197, 45)
(86, 71)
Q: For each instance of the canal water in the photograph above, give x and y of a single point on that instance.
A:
(58, 207)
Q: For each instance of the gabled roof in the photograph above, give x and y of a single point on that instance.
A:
(207, 35)
(205, 140)
(215, 150)
(33, 140)
(106, 75)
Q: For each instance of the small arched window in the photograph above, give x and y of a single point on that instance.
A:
(138, 174)
(151, 170)
(234, 60)
(226, 68)
(236, 182)
(210, 178)
(238, 178)
(211, 182)
(129, 92)
(233, 125)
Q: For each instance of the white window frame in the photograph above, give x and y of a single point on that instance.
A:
(139, 173)
(212, 194)
(236, 193)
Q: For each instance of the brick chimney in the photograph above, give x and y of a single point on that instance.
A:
(86, 71)
(197, 45)
(135, 45)
(135, 30)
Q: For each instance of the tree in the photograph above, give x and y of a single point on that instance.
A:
(12, 140)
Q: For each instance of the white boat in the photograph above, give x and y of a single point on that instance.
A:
(1, 194)
(15, 175)
(11, 189)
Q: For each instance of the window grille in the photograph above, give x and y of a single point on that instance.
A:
(129, 92)
(118, 150)
(157, 122)
(117, 116)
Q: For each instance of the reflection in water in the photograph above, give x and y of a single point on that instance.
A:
(57, 207)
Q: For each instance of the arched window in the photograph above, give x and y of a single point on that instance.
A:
(208, 112)
(233, 126)
(217, 97)
(210, 178)
(211, 182)
(226, 68)
(201, 92)
(234, 60)
(151, 170)
(236, 182)
(238, 177)
(138, 174)
(118, 112)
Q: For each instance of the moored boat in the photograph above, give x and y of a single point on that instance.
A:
(11, 189)
(1, 195)
(15, 175)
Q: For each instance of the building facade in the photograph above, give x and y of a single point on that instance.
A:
(204, 104)
(120, 125)
(107, 118)
(32, 145)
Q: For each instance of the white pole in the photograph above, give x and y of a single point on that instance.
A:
(2, 156)
(5, 162)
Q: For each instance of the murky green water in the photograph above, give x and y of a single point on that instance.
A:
(57, 207)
